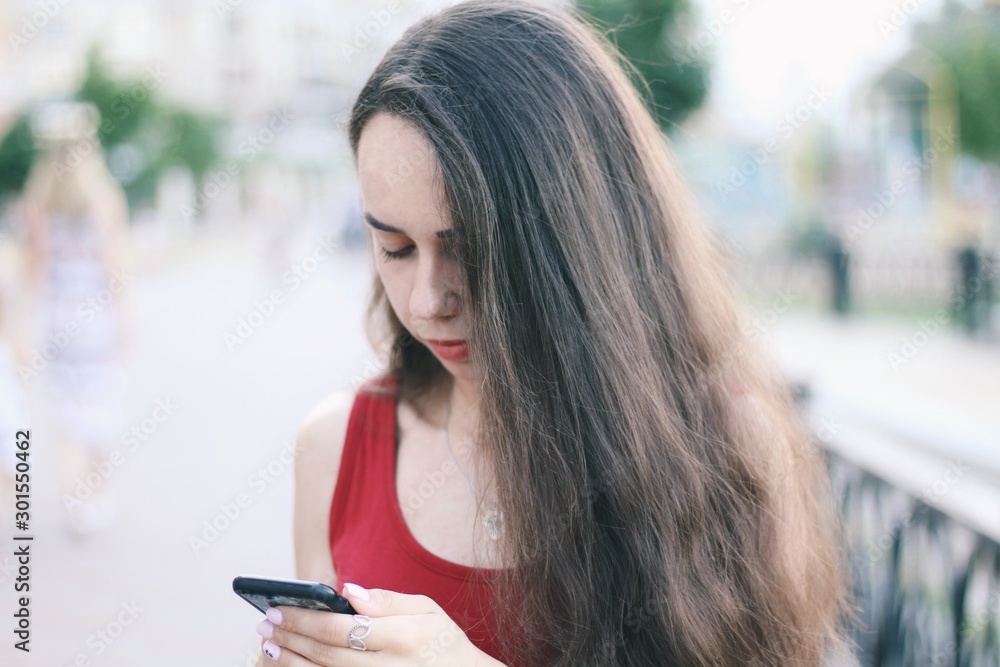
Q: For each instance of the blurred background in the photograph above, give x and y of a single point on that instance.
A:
(183, 277)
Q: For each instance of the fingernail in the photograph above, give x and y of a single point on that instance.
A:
(265, 629)
(272, 650)
(356, 591)
(274, 615)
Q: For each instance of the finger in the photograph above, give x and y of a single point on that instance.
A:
(285, 657)
(288, 624)
(386, 636)
(318, 653)
(380, 602)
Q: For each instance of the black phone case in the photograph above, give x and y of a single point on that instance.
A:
(265, 593)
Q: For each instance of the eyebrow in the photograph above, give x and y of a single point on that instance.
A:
(378, 224)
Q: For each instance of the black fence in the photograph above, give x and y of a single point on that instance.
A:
(961, 284)
(926, 586)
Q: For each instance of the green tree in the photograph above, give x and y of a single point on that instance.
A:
(17, 152)
(651, 36)
(968, 41)
(172, 136)
(163, 135)
(124, 106)
(133, 121)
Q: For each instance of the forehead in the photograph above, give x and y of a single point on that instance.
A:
(400, 176)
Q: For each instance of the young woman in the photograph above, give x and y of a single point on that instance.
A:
(76, 295)
(603, 471)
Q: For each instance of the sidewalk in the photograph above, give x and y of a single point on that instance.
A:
(894, 371)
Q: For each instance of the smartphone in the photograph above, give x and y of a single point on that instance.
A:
(265, 593)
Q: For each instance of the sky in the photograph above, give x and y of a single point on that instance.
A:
(772, 53)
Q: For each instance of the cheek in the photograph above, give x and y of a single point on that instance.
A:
(398, 293)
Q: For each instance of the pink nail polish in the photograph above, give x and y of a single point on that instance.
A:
(265, 629)
(358, 592)
(272, 650)
(274, 615)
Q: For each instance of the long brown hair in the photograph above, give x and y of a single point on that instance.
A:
(71, 178)
(663, 504)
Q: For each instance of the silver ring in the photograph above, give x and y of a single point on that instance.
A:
(358, 641)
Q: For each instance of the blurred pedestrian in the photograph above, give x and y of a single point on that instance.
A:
(76, 278)
(839, 261)
(13, 409)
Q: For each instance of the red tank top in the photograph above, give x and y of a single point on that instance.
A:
(370, 542)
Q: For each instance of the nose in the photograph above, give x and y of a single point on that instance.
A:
(435, 292)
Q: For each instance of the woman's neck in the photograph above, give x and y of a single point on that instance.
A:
(463, 399)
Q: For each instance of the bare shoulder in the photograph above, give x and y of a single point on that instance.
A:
(321, 435)
(319, 445)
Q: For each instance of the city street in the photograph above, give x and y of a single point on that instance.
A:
(217, 393)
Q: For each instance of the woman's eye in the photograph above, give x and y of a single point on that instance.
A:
(395, 254)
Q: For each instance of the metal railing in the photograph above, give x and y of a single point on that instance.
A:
(922, 538)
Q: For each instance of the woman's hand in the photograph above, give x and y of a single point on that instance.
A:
(402, 630)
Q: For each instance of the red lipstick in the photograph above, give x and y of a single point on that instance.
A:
(450, 350)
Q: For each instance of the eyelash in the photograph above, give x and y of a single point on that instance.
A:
(398, 254)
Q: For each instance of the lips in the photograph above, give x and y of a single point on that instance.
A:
(450, 350)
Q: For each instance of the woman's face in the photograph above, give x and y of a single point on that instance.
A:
(403, 206)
